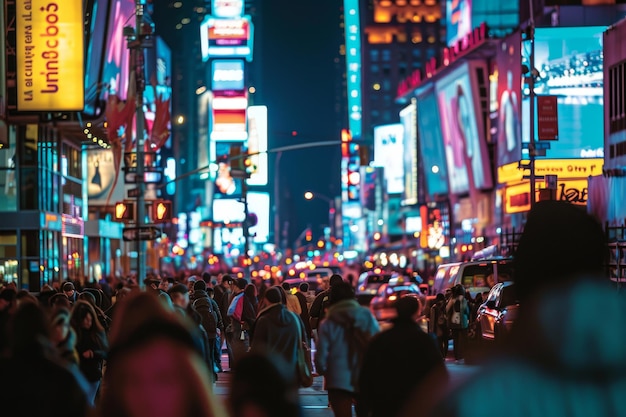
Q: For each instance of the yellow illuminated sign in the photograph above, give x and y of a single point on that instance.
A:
(50, 75)
(563, 168)
(517, 197)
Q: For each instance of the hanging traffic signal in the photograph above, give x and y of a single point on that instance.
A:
(237, 159)
(161, 211)
(364, 155)
(124, 211)
(308, 236)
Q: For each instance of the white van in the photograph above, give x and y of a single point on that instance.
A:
(475, 276)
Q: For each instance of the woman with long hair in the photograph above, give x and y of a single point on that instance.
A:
(155, 368)
(91, 345)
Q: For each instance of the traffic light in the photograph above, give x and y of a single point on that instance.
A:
(161, 211)
(364, 155)
(124, 211)
(308, 236)
(237, 159)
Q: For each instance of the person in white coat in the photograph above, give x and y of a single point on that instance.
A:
(342, 339)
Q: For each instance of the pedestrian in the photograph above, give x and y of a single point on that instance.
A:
(155, 368)
(211, 320)
(301, 295)
(223, 294)
(31, 366)
(317, 312)
(70, 291)
(378, 399)
(458, 315)
(262, 386)
(439, 323)
(293, 304)
(559, 360)
(342, 339)
(91, 345)
(242, 316)
(277, 331)
(62, 336)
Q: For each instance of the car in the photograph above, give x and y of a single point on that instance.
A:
(369, 282)
(475, 276)
(497, 314)
(382, 304)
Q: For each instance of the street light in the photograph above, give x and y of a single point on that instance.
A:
(309, 195)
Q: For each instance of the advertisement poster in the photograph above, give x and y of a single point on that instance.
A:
(508, 122)
(431, 145)
(388, 144)
(459, 18)
(408, 117)
(464, 140)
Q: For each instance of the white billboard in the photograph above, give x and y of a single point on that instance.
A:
(388, 146)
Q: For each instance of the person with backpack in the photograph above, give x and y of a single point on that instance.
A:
(342, 340)
(211, 319)
(458, 313)
(439, 324)
(242, 317)
(317, 312)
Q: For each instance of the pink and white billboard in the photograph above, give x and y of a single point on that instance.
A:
(226, 38)
(459, 19)
(257, 144)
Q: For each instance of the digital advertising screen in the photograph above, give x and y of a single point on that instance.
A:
(101, 177)
(569, 63)
(388, 144)
(408, 118)
(224, 185)
(459, 19)
(431, 146)
(259, 208)
(227, 8)
(228, 211)
(158, 80)
(257, 144)
(116, 58)
(95, 38)
(508, 123)
(227, 38)
(464, 138)
(227, 75)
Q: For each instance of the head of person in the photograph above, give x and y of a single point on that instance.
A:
(7, 298)
(250, 291)
(335, 279)
(273, 295)
(227, 281)
(68, 289)
(154, 368)
(406, 308)
(340, 292)
(260, 387)
(60, 328)
(560, 244)
(241, 284)
(286, 287)
(27, 328)
(199, 286)
(304, 287)
(87, 296)
(179, 294)
(84, 317)
(59, 300)
(191, 281)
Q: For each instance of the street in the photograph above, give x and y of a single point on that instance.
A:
(314, 400)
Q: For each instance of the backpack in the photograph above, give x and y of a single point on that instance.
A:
(209, 317)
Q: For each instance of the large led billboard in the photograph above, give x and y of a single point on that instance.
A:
(227, 38)
(430, 139)
(353, 65)
(569, 62)
(408, 118)
(101, 177)
(507, 123)
(227, 8)
(95, 41)
(463, 133)
(49, 55)
(259, 208)
(388, 144)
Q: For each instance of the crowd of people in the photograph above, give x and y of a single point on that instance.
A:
(155, 350)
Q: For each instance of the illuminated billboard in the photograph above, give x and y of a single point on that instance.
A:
(352, 36)
(115, 74)
(231, 211)
(463, 134)
(95, 40)
(570, 66)
(507, 123)
(388, 144)
(257, 144)
(431, 147)
(259, 208)
(49, 55)
(101, 177)
(227, 8)
(459, 19)
(408, 118)
(227, 38)
(227, 75)
(228, 118)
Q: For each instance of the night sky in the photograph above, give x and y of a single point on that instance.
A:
(296, 43)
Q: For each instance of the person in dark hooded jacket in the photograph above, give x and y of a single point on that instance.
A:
(559, 360)
(278, 332)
